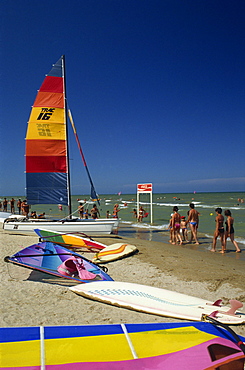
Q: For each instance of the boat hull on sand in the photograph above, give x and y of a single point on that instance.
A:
(89, 227)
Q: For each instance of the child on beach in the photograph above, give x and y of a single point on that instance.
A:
(170, 228)
(176, 218)
(183, 227)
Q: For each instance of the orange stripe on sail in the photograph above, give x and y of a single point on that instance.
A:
(114, 251)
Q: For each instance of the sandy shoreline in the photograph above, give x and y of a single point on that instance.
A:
(31, 298)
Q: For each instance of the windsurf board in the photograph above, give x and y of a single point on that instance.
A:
(159, 301)
(114, 252)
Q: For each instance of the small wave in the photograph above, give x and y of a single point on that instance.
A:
(146, 226)
(238, 239)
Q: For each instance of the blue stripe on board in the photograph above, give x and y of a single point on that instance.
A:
(56, 332)
(46, 188)
(19, 334)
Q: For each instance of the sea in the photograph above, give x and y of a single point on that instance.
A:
(162, 208)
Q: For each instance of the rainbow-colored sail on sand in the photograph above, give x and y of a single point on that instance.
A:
(47, 179)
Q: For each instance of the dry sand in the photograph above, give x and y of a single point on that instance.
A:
(31, 298)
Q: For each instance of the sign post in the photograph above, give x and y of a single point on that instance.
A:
(144, 188)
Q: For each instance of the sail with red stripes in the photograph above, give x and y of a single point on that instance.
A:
(47, 173)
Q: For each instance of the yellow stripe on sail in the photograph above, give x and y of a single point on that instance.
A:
(46, 123)
(114, 251)
(69, 239)
(39, 114)
(46, 130)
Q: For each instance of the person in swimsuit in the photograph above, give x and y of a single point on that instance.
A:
(116, 209)
(141, 214)
(19, 206)
(176, 219)
(95, 213)
(229, 232)
(219, 231)
(193, 221)
(184, 231)
(81, 210)
(12, 209)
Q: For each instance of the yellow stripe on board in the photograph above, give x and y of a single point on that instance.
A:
(102, 348)
(161, 342)
(113, 251)
(26, 353)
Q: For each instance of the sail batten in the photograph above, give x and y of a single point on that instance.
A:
(46, 143)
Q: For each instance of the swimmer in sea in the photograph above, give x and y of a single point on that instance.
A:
(193, 221)
(219, 231)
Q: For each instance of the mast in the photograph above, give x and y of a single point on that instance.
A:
(67, 144)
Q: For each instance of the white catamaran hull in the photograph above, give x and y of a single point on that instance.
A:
(89, 227)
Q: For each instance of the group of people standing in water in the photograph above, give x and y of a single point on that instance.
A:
(179, 233)
(178, 225)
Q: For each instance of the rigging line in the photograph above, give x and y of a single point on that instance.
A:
(94, 195)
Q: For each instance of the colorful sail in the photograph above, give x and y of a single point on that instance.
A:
(185, 345)
(56, 260)
(46, 142)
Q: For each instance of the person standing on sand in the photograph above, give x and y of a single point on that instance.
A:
(171, 231)
(219, 230)
(25, 208)
(5, 205)
(19, 206)
(183, 227)
(193, 221)
(229, 233)
(12, 209)
(176, 219)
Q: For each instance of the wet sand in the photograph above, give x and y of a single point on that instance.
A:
(31, 298)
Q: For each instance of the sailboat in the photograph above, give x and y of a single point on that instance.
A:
(47, 161)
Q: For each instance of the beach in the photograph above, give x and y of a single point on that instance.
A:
(32, 298)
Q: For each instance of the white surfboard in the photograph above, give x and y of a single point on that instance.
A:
(159, 301)
(114, 252)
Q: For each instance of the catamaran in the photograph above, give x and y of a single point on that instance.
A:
(47, 161)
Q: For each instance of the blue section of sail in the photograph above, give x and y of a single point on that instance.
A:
(56, 70)
(46, 188)
(47, 257)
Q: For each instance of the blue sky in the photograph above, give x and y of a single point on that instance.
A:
(156, 88)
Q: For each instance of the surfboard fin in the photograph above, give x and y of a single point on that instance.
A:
(234, 306)
(217, 303)
(214, 314)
